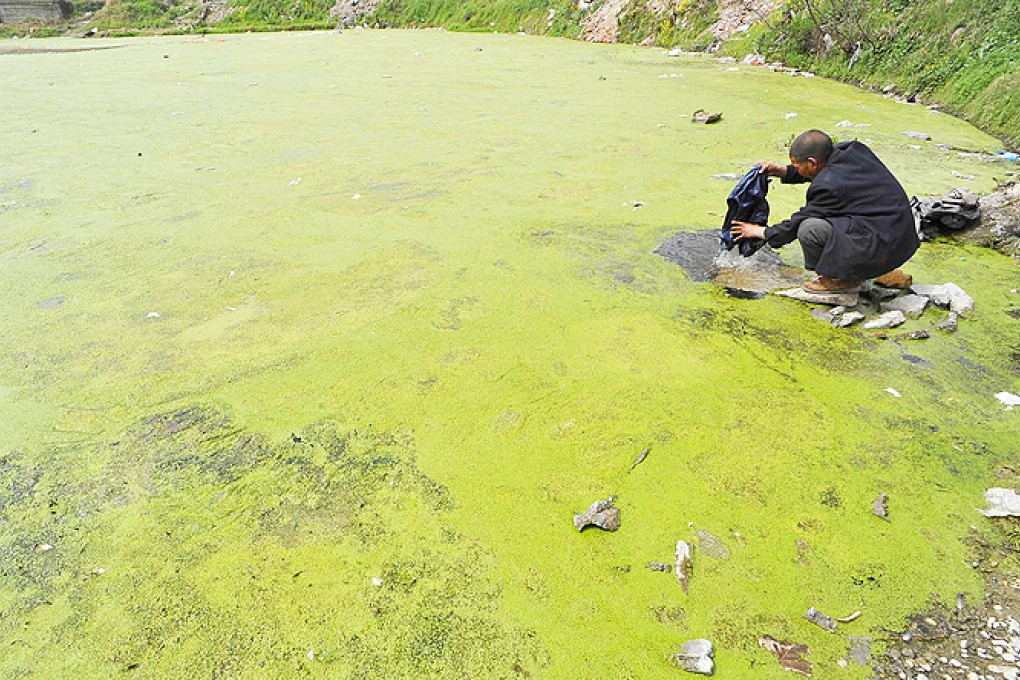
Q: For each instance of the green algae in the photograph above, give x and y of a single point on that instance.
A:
(461, 279)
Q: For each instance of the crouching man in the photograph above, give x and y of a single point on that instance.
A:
(857, 223)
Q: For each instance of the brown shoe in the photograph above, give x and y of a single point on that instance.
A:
(895, 279)
(823, 284)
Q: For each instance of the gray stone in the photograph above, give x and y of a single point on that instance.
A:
(819, 619)
(848, 319)
(950, 324)
(825, 315)
(659, 566)
(1002, 503)
(706, 117)
(888, 320)
(601, 514)
(881, 506)
(52, 303)
(834, 299)
(959, 301)
(911, 305)
(919, 334)
(938, 295)
(726, 175)
(917, 135)
(695, 656)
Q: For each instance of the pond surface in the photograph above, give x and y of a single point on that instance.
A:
(314, 343)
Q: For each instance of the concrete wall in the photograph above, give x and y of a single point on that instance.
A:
(19, 10)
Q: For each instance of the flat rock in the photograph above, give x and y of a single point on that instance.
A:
(601, 513)
(913, 134)
(848, 319)
(920, 334)
(888, 320)
(822, 314)
(834, 299)
(911, 305)
(695, 656)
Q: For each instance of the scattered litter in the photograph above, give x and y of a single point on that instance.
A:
(881, 507)
(44, 547)
(636, 204)
(962, 176)
(918, 135)
(640, 458)
(670, 75)
(377, 582)
(888, 320)
(789, 654)
(706, 117)
(1002, 503)
(695, 656)
(295, 182)
(847, 124)
(659, 566)
(850, 617)
(683, 566)
(601, 514)
(675, 52)
(1007, 155)
(920, 334)
(727, 175)
(152, 315)
(819, 619)
(753, 60)
(98, 572)
(1009, 399)
(893, 392)
(791, 115)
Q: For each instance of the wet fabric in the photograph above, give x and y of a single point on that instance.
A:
(747, 203)
(856, 193)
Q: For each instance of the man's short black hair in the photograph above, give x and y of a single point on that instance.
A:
(812, 144)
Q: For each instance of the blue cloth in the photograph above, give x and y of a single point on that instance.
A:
(747, 203)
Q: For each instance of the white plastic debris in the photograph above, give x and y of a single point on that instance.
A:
(152, 315)
(295, 182)
(1002, 503)
(893, 392)
(356, 197)
(44, 547)
(844, 124)
(791, 115)
(1009, 399)
(377, 582)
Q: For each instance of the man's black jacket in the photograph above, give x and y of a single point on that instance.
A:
(874, 225)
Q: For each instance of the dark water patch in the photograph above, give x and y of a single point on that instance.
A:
(917, 361)
(700, 256)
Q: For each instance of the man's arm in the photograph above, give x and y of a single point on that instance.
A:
(822, 203)
(791, 176)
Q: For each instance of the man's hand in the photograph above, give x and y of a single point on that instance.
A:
(772, 169)
(742, 230)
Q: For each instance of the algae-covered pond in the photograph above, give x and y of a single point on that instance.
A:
(314, 343)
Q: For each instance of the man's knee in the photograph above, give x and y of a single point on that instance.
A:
(814, 230)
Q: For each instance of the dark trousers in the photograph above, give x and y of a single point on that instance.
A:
(813, 234)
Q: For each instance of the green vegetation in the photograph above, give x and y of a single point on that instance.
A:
(964, 54)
